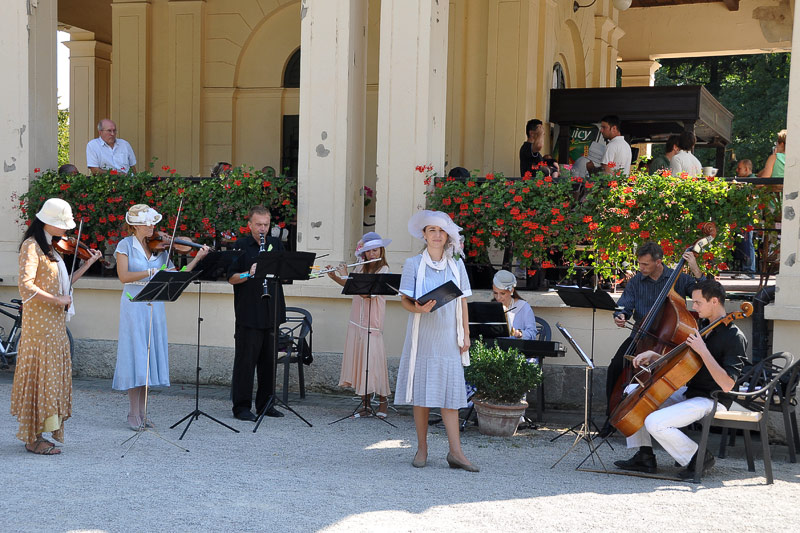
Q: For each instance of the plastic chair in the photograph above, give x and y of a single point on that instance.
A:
(295, 341)
(752, 391)
(542, 329)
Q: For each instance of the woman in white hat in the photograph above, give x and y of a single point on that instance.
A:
(41, 397)
(136, 264)
(437, 343)
(366, 312)
(520, 317)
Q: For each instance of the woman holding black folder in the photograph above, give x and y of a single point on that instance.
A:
(437, 341)
(136, 264)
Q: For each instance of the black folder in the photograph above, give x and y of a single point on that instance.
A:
(443, 294)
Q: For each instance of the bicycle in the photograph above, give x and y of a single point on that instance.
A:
(9, 343)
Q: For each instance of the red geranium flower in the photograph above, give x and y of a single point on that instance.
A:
(634, 225)
(266, 183)
(148, 193)
(587, 219)
(615, 229)
(112, 172)
(644, 234)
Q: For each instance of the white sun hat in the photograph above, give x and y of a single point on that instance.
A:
(57, 213)
(504, 280)
(421, 219)
(370, 241)
(142, 215)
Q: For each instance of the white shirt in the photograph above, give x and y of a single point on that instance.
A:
(619, 152)
(120, 158)
(685, 161)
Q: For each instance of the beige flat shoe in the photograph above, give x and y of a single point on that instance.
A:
(419, 463)
(455, 463)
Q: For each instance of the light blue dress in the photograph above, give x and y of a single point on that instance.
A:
(438, 375)
(524, 319)
(134, 326)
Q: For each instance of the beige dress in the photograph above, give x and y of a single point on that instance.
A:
(354, 359)
(41, 397)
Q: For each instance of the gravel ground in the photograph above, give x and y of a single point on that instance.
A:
(354, 475)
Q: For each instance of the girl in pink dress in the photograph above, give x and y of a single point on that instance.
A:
(366, 312)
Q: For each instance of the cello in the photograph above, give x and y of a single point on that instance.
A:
(662, 378)
(666, 325)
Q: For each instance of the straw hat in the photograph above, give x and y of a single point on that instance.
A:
(426, 217)
(142, 215)
(58, 213)
(504, 280)
(370, 241)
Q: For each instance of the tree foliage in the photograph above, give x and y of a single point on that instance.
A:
(755, 88)
(63, 136)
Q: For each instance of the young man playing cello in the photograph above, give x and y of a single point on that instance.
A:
(723, 355)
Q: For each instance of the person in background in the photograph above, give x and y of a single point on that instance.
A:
(618, 151)
(684, 160)
(777, 161)
(520, 317)
(107, 152)
(662, 162)
(744, 249)
(68, 170)
(744, 169)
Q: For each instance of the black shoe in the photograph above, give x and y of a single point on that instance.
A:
(640, 462)
(688, 472)
(246, 415)
(606, 431)
(274, 413)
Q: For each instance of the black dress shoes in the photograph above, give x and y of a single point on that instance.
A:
(688, 472)
(640, 462)
(246, 415)
(274, 413)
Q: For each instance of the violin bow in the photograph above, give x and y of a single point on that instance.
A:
(175, 229)
(75, 256)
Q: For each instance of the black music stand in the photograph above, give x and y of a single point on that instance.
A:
(214, 261)
(369, 285)
(593, 299)
(487, 320)
(277, 267)
(164, 286)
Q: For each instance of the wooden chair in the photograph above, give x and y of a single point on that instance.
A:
(752, 391)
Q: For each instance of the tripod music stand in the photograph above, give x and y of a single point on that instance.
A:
(165, 286)
(369, 285)
(215, 261)
(585, 432)
(277, 267)
(590, 299)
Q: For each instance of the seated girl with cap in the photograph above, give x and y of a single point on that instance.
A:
(521, 320)
(366, 372)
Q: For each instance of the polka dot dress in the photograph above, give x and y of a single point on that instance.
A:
(41, 397)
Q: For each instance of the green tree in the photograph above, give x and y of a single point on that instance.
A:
(755, 88)
(63, 136)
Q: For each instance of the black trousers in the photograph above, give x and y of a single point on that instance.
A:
(253, 352)
(614, 371)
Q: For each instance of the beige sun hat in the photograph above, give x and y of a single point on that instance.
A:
(142, 215)
(421, 219)
(57, 213)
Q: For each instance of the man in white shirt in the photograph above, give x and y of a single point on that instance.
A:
(618, 151)
(685, 161)
(109, 153)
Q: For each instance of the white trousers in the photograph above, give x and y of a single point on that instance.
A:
(676, 412)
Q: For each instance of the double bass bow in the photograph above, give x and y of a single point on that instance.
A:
(667, 324)
(662, 378)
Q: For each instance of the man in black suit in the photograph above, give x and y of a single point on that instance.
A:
(254, 319)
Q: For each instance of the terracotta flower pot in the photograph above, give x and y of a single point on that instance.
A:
(499, 420)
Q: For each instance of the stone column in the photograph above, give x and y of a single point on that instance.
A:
(332, 125)
(28, 111)
(411, 114)
(89, 92)
(638, 73)
(184, 118)
(786, 310)
(130, 73)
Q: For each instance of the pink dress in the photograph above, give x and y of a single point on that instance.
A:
(354, 359)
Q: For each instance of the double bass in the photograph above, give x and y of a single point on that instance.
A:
(667, 324)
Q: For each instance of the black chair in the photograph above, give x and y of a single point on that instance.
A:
(295, 343)
(543, 329)
(753, 391)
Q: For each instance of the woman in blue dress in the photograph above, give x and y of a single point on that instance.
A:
(437, 342)
(520, 317)
(136, 264)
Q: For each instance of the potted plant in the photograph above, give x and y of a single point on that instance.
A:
(501, 378)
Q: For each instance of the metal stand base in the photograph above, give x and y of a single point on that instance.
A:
(584, 433)
(370, 413)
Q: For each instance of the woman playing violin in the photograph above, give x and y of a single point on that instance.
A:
(41, 397)
(136, 264)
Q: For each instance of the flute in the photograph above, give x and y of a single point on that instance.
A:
(332, 269)
(261, 249)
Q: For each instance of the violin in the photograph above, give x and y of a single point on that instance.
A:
(160, 241)
(66, 246)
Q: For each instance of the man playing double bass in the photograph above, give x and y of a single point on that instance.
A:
(723, 354)
(637, 299)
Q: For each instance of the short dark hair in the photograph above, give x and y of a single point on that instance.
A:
(532, 125)
(612, 120)
(686, 140)
(259, 210)
(652, 249)
(711, 288)
(672, 142)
